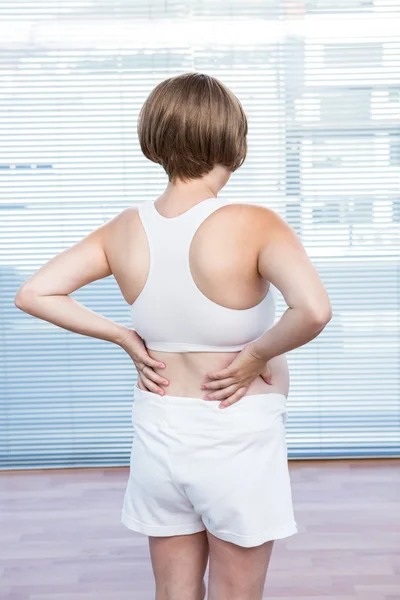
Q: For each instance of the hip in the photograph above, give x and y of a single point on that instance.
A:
(252, 413)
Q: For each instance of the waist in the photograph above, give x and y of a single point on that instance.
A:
(185, 372)
(184, 347)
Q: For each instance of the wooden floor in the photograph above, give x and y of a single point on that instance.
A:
(61, 536)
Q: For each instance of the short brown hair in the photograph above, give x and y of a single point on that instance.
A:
(190, 123)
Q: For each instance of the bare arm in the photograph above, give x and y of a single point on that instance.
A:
(284, 262)
(46, 295)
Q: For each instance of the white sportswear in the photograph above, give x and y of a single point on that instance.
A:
(171, 314)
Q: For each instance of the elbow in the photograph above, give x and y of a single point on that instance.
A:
(322, 316)
(24, 299)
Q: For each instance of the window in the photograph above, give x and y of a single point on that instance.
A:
(320, 82)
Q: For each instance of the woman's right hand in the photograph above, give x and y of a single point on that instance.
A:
(231, 383)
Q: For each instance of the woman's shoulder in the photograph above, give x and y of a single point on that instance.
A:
(257, 222)
(124, 218)
(256, 215)
(250, 209)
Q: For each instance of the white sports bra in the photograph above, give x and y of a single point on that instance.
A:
(171, 313)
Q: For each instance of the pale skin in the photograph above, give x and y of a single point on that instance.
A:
(234, 256)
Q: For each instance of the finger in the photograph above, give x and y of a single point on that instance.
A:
(142, 380)
(151, 385)
(142, 362)
(151, 362)
(139, 378)
(217, 384)
(224, 373)
(234, 398)
(150, 374)
(266, 375)
(221, 394)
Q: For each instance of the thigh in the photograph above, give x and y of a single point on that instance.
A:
(236, 572)
(179, 563)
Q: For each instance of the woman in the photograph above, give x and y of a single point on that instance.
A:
(205, 483)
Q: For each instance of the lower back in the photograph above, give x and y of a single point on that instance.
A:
(185, 372)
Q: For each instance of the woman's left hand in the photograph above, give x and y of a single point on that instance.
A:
(231, 383)
(133, 344)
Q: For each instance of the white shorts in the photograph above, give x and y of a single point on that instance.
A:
(195, 466)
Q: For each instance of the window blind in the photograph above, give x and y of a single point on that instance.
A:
(320, 83)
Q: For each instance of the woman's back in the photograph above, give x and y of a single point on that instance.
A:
(191, 278)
